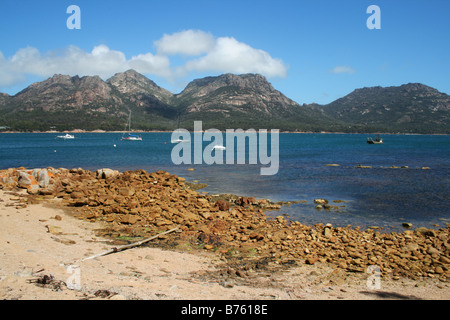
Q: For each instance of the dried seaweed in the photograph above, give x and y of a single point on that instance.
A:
(48, 281)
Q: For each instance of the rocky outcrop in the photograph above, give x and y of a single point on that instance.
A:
(138, 202)
(63, 91)
(247, 93)
(35, 181)
(412, 107)
(139, 88)
(242, 101)
(246, 99)
(206, 86)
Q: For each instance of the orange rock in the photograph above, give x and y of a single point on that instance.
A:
(222, 205)
(33, 189)
(311, 260)
(130, 219)
(26, 179)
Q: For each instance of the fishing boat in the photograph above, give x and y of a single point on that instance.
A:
(130, 136)
(377, 140)
(65, 137)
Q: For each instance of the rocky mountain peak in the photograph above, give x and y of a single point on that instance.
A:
(59, 90)
(207, 85)
(60, 78)
(405, 88)
(410, 107)
(418, 88)
(134, 83)
(61, 83)
(249, 95)
(130, 81)
(128, 76)
(224, 101)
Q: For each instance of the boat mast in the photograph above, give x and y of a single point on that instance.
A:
(129, 123)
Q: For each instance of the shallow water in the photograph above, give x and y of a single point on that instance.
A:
(380, 196)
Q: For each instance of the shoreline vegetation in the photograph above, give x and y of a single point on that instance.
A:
(134, 205)
(168, 131)
(221, 102)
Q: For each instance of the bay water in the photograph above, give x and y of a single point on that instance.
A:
(382, 195)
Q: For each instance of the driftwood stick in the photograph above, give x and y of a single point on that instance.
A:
(128, 246)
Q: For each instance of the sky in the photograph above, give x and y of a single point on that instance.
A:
(312, 51)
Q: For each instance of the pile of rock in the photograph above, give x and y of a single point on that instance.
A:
(137, 198)
(36, 181)
(159, 201)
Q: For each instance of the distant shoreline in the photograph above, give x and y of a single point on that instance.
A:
(298, 132)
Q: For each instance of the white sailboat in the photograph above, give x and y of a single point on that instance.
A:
(130, 136)
(67, 136)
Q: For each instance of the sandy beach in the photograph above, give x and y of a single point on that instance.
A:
(46, 242)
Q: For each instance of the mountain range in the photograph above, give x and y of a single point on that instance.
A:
(242, 101)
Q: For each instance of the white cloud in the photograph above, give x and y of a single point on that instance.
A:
(230, 55)
(342, 69)
(203, 53)
(151, 64)
(188, 42)
(7, 75)
(101, 61)
(72, 61)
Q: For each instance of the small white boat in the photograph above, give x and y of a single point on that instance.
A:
(67, 136)
(130, 137)
(219, 147)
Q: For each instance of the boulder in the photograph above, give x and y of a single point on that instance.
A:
(54, 229)
(127, 191)
(252, 200)
(311, 260)
(412, 247)
(46, 191)
(77, 194)
(244, 201)
(130, 219)
(106, 173)
(327, 232)
(406, 225)
(222, 205)
(43, 178)
(33, 189)
(426, 232)
(7, 181)
(281, 219)
(256, 236)
(26, 179)
(432, 251)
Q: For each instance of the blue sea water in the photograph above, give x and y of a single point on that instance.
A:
(380, 196)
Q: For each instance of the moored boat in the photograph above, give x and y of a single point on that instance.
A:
(130, 136)
(377, 140)
(66, 136)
